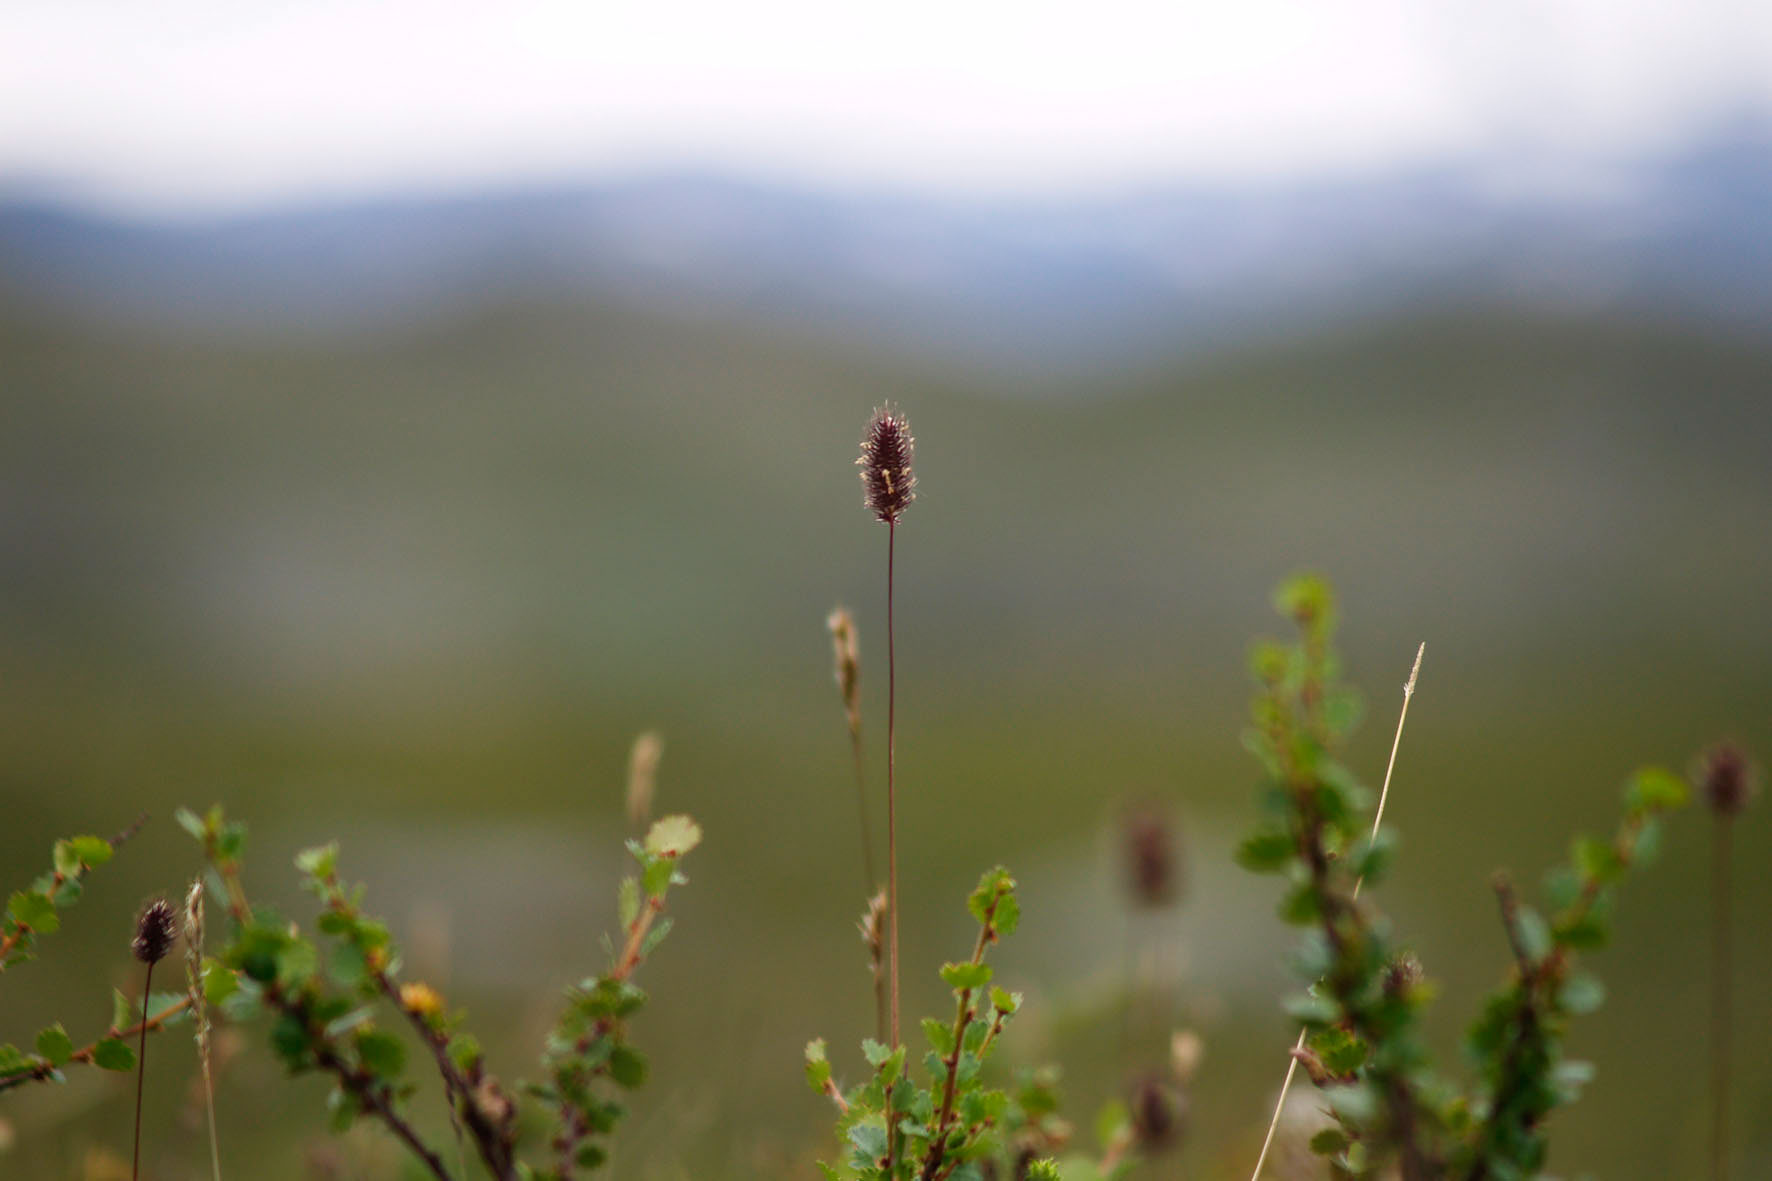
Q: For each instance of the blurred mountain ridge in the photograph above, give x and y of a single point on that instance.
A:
(1020, 284)
(569, 483)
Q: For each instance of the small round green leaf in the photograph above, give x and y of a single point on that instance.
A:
(54, 1044)
(966, 975)
(113, 1054)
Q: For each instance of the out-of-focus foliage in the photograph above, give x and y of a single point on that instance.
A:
(1363, 1010)
(946, 1122)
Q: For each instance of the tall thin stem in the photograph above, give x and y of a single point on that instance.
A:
(1720, 971)
(209, 1104)
(1129, 967)
(891, 827)
(861, 799)
(891, 776)
(1384, 794)
(889, 487)
(847, 667)
(141, 1073)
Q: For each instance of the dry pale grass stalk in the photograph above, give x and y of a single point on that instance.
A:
(643, 775)
(1377, 819)
(873, 933)
(846, 660)
(194, 983)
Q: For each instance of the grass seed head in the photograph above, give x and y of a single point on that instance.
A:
(1152, 857)
(643, 760)
(155, 931)
(888, 483)
(1159, 1114)
(1185, 1051)
(846, 652)
(1726, 777)
(1403, 975)
(873, 925)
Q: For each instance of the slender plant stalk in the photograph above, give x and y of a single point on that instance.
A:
(44, 1071)
(194, 924)
(1726, 779)
(848, 670)
(879, 1001)
(848, 674)
(891, 828)
(873, 934)
(1129, 968)
(209, 1104)
(141, 1074)
(1148, 847)
(861, 799)
(891, 778)
(155, 932)
(889, 487)
(1377, 819)
(1720, 971)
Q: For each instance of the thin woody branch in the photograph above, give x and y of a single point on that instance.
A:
(43, 1072)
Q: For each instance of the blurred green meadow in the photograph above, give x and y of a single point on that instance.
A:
(418, 589)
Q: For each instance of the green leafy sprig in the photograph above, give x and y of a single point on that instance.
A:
(949, 1125)
(320, 1019)
(1363, 1008)
(588, 1045)
(366, 961)
(34, 912)
(55, 1050)
(1517, 1043)
(325, 1008)
(1363, 1037)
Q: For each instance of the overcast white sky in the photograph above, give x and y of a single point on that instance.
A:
(205, 102)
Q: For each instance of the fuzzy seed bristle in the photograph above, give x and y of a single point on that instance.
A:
(874, 934)
(1402, 975)
(155, 931)
(194, 952)
(888, 483)
(873, 924)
